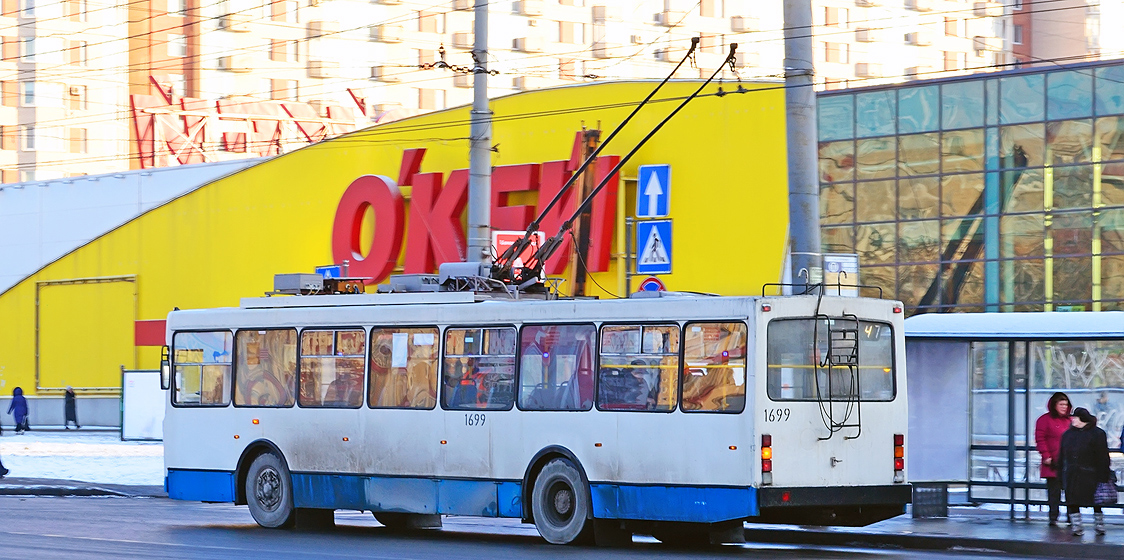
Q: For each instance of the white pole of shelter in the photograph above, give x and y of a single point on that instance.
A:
(803, 165)
(480, 150)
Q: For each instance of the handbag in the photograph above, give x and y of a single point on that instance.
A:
(1105, 495)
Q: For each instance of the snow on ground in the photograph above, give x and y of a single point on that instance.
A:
(99, 457)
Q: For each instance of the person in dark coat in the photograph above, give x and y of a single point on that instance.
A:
(18, 410)
(1083, 462)
(71, 405)
(1048, 432)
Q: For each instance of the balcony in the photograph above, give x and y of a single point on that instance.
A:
(919, 38)
(389, 74)
(868, 70)
(746, 59)
(386, 33)
(993, 44)
(235, 23)
(462, 80)
(868, 3)
(987, 9)
(865, 35)
(920, 5)
(743, 24)
(918, 72)
(463, 40)
(323, 69)
(671, 18)
(238, 63)
(604, 49)
(602, 14)
(529, 7)
(533, 44)
(524, 83)
(322, 28)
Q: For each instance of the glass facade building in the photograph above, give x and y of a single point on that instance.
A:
(995, 192)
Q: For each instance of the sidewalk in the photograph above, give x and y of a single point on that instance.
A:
(97, 463)
(966, 529)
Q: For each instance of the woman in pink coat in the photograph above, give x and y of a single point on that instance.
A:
(1048, 432)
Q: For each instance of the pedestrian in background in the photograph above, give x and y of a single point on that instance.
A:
(18, 410)
(71, 405)
(1083, 462)
(1048, 432)
(3, 472)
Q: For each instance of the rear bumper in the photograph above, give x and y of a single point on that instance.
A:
(820, 496)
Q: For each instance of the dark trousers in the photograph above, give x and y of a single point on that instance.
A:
(1054, 497)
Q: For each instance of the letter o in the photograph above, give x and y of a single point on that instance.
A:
(382, 194)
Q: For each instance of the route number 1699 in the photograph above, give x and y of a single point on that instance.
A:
(777, 414)
(476, 419)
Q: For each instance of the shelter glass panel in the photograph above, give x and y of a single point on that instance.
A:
(874, 113)
(917, 109)
(918, 197)
(919, 154)
(332, 368)
(990, 362)
(1022, 145)
(836, 117)
(1022, 99)
(877, 158)
(837, 161)
(403, 368)
(1069, 142)
(875, 201)
(202, 368)
(962, 195)
(875, 243)
(639, 368)
(1110, 138)
(962, 104)
(1022, 284)
(1110, 90)
(556, 367)
(962, 151)
(837, 203)
(714, 372)
(1090, 372)
(1069, 94)
(479, 369)
(796, 371)
(265, 369)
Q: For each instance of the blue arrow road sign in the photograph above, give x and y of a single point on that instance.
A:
(653, 241)
(653, 191)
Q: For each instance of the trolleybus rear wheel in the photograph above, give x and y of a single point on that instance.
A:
(269, 491)
(560, 503)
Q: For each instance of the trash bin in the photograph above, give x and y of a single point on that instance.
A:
(930, 499)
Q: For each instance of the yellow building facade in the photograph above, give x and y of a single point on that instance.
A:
(73, 321)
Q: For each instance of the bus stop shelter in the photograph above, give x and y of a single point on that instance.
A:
(977, 383)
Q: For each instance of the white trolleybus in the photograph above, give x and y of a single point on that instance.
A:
(680, 416)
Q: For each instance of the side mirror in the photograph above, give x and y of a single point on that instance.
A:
(165, 369)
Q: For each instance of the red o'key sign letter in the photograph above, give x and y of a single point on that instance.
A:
(381, 194)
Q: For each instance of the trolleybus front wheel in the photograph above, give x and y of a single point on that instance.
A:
(269, 492)
(560, 503)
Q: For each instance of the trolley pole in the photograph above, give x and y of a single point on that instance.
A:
(803, 183)
(480, 147)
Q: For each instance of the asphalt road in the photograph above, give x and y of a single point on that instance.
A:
(80, 528)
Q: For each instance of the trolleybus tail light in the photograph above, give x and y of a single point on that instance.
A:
(766, 308)
(899, 458)
(766, 459)
(897, 309)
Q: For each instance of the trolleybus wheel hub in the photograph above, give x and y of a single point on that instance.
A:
(269, 489)
(563, 500)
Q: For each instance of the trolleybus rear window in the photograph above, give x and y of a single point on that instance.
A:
(265, 367)
(798, 371)
(556, 367)
(202, 368)
(332, 368)
(639, 368)
(714, 369)
(403, 368)
(479, 369)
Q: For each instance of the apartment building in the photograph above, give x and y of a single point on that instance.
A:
(365, 61)
(1067, 31)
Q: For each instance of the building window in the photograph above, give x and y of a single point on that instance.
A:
(710, 43)
(27, 137)
(79, 53)
(78, 141)
(431, 99)
(178, 83)
(27, 49)
(708, 8)
(285, 90)
(951, 27)
(429, 22)
(426, 56)
(175, 7)
(177, 45)
(1018, 35)
(837, 52)
(566, 32)
(567, 69)
(835, 17)
(77, 97)
(27, 94)
(951, 61)
(28, 8)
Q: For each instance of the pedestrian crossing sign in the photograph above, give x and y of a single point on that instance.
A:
(653, 244)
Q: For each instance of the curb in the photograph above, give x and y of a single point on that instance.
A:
(1074, 549)
(61, 488)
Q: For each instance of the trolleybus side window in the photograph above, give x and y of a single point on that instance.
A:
(479, 369)
(202, 368)
(714, 369)
(556, 367)
(331, 365)
(639, 368)
(265, 367)
(797, 370)
(403, 368)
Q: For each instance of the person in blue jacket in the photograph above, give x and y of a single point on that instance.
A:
(18, 410)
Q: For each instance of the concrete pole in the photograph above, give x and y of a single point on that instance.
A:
(480, 148)
(803, 164)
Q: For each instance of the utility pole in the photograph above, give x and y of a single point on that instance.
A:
(803, 165)
(480, 147)
(588, 181)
